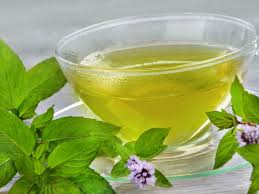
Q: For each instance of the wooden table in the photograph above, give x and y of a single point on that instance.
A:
(33, 28)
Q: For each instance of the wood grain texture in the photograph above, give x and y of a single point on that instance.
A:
(33, 28)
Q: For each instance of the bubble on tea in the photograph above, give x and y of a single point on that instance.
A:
(96, 59)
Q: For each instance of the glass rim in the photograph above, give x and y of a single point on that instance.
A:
(250, 45)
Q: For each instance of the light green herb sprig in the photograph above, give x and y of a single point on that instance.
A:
(242, 136)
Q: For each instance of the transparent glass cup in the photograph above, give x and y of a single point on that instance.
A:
(137, 99)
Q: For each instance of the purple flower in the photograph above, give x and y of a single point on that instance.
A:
(248, 135)
(142, 172)
(133, 162)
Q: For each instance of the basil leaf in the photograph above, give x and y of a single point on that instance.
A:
(161, 180)
(254, 187)
(12, 78)
(7, 169)
(222, 120)
(43, 80)
(250, 153)
(244, 104)
(16, 133)
(61, 186)
(21, 186)
(97, 185)
(44, 119)
(120, 169)
(150, 143)
(226, 149)
(76, 127)
(74, 149)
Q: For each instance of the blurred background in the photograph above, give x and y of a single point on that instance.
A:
(32, 28)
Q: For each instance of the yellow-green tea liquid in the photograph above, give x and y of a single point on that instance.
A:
(156, 86)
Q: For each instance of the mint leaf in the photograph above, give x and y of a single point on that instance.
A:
(150, 143)
(226, 149)
(8, 147)
(244, 104)
(16, 132)
(222, 120)
(108, 147)
(74, 149)
(27, 109)
(76, 127)
(161, 180)
(61, 186)
(120, 169)
(12, 78)
(7, 169)
(39, 167)
(254, 187)
(96, 185)
(44, 119)
(250, 153)
(22, 186)
(41, 148)
(43, 80)
(24, 166)
(131, 147)
(76, 166)
(73, 168)
(122, 151)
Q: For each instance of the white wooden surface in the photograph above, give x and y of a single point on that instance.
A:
(33, 27)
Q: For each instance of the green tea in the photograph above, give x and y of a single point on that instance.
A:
(156, 86)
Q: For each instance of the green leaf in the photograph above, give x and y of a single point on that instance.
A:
(22, 186)
(16, 133)
(43, 80)
(7, 169)
(131, 147)
(6, 146)
(74, 167)
(61, 186)
(74, 149)
(12, 78)
(24, 166)
(150, 143)
(226, 149)
(41, 148)
(97, 185)
(244, 104)
(122, 151)
(254, 187)
(222, 120)
(44, 119)
(250, 153)
(39, 167)
(75, 127)
(161, 180)
(108, 147)
(120, 169)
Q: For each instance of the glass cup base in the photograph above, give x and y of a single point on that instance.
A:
(190, 158)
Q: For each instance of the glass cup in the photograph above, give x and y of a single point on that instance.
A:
(139, 99)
